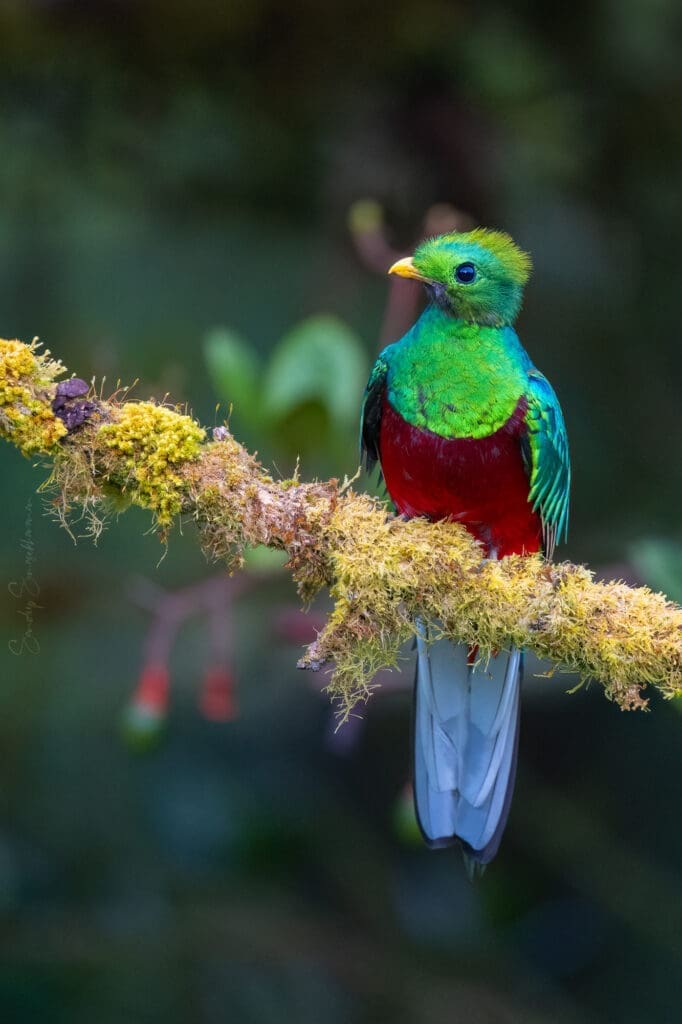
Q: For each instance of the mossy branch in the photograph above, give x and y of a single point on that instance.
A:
(382, 572)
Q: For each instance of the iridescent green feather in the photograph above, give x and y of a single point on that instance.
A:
(549, 463)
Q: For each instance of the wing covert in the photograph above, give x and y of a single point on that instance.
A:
(548, 457)
(370, 422)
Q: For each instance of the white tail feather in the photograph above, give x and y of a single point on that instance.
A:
(466, 728)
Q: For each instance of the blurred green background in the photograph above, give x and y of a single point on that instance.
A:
(177, 176)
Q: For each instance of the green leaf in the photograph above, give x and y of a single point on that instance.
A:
(320, 360)
(234, 369)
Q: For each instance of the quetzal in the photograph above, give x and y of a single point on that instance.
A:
(465, 428)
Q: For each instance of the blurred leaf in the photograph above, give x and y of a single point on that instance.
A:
(262, 559)
(659, 563)
(319, 360)
(234, 369)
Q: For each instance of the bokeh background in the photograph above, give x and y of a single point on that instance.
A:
(177, 190)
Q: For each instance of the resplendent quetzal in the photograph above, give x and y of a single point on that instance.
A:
(465, 428)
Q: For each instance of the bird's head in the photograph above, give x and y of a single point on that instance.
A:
(475, 275)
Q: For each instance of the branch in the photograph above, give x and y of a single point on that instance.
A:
(381, 571)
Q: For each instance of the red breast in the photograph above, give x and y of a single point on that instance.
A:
(480, 482)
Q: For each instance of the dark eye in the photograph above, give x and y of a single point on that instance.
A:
(465, 273)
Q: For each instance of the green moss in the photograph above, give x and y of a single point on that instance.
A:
(142, 453)
(26, 417)
(387, 574)
(72, 484)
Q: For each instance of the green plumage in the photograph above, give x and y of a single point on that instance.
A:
(550, 466)
(455, 378)
(460, 372)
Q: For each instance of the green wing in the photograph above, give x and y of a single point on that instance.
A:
(549, 466)
(370, 422)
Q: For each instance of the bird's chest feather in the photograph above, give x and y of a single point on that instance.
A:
(452, 425)
(480, 482)
(468, 388)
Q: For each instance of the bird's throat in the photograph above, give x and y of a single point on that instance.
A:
(455, 378)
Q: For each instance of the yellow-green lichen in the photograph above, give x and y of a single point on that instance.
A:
(143, 451)
(217, 489)
(390, 574)
(386, 572)
(26, 417)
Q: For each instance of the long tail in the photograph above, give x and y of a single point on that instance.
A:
(466, 734)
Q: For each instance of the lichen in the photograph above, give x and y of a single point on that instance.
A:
(389, 574)
(142, 451)
(218, 490)
(77, 498)
(26, 383)
(386, 573)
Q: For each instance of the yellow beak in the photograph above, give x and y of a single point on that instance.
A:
(406, 268)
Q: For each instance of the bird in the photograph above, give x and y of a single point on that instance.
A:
(464, 427)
